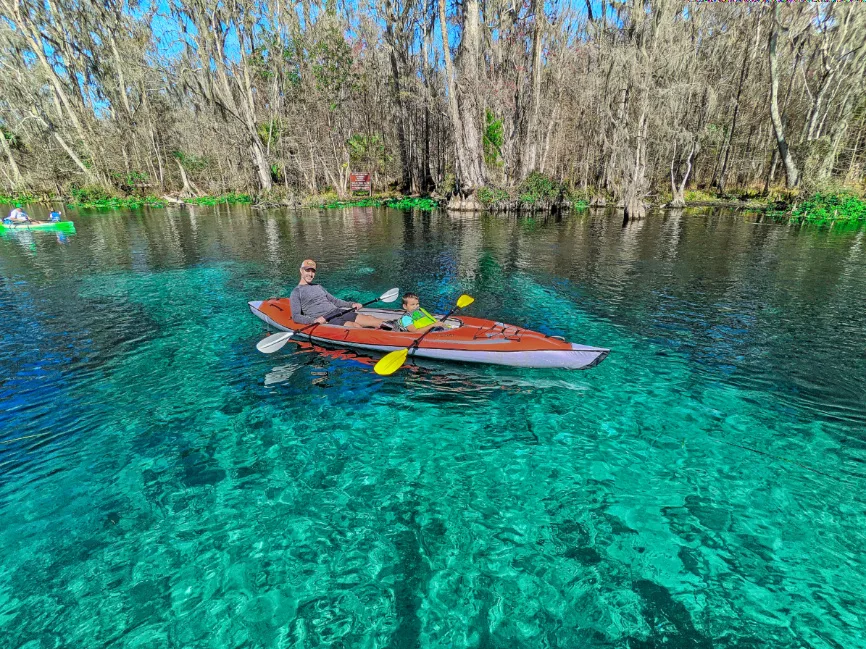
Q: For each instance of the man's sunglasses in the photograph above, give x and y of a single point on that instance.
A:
(309, 270)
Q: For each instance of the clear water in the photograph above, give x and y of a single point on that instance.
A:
(162, 484)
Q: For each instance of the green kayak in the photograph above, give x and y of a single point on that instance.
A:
(63, 226)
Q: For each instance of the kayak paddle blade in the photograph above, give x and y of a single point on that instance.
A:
(464, 301)
(390, 296)
(391, 362)
(273, 343)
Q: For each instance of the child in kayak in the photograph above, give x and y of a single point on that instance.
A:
(417, 320)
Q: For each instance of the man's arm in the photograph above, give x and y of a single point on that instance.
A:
(337, 302)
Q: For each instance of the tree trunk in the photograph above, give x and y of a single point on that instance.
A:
(471, 112)
(466, 179)
(405, 158)
(13, 166)
(793, 175)
(529, 148)
(633, 203)
(744, 72)
(680, 191)
(91, 177)
(189, 188)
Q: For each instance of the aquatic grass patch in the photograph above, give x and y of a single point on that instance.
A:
(823, 208)
(118, 202)
(407, 203)
(413, 203)
(21, 197)
(99, 199)
(233, 198)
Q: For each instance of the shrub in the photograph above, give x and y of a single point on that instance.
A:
(698, 196)
(89, 194)
(841, 207)
(490, 195)
(537, 188)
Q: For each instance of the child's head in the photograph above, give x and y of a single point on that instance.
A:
(410, 302)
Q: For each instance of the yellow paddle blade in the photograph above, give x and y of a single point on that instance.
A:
(464, 301)
(391, 362)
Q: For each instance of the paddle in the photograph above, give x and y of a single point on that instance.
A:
(393, 361)
(274, 343)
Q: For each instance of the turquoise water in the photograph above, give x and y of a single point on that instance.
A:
(162, 484)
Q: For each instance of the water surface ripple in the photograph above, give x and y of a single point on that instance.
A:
(162, 484)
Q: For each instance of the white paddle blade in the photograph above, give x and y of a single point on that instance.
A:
(390, 296)
(273, 343)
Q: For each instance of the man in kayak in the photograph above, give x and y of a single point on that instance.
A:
(313, 304)
(18, 216)
(416, 320)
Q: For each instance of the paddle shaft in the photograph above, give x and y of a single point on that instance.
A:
(414, 345)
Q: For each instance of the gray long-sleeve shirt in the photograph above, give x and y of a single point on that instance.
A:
(311, 301)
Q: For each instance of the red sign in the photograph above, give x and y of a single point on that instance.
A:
(360, 181)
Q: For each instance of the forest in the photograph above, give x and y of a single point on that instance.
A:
(479, 101)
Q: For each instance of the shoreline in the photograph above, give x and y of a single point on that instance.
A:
(843, 207)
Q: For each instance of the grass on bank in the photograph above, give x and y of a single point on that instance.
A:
(330, 201)
(537, 191)
(844, 208)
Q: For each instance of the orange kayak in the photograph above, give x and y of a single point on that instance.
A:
(464, 339)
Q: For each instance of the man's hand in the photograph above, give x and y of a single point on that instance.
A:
(357, 305)
(321, 320)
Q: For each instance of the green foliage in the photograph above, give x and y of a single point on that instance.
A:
(446, 187)
(130, 180)
(367, 149)
(842, 207)
(393, 203)
(89, 194)
(20, 197)
(699, 196)
(190, 162)
(114, 202)
(413, 203)
(493, 138)
(224, 199)
(538, 188)
(579, 198)
(13, 140)
(332, 65)
(99, 198)
(273, 128)
(489, 195)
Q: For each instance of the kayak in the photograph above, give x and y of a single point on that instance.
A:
(63, 226)
(464, 339)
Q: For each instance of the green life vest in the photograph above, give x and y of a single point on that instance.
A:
(421, 318)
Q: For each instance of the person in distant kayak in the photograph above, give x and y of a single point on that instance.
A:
(313, 304)
(416, 319)
(54, 216)
(19, 216)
